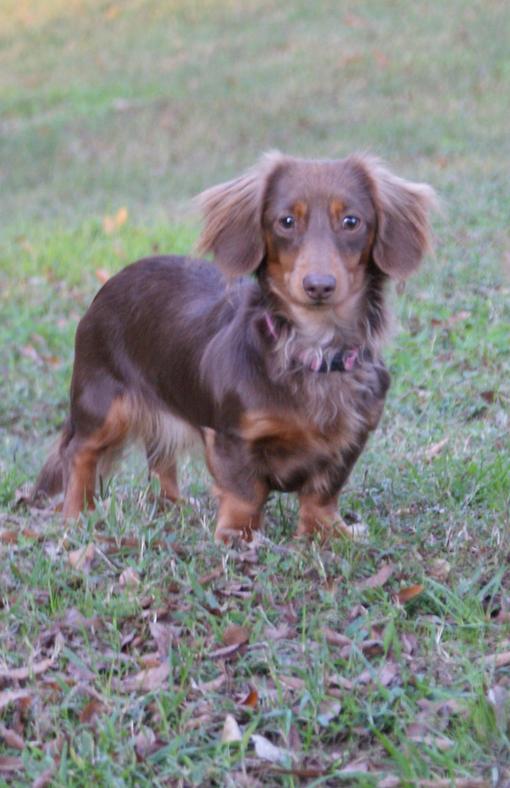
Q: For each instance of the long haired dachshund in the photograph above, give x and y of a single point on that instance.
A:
(277, 375)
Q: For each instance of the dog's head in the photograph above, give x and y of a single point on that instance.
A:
(314, 227)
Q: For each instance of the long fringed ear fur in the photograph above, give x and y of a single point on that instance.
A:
(403, 227)
(232, 215)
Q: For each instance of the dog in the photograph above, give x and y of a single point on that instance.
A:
(269, 359)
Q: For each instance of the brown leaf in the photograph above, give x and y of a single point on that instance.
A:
(226, 651)
(11, 696)
(9, 764)
(435, 449)
(328, 711)
(164, 635)
(439, 569)
(46, 777)
(11, 738)
(213, 685)
(251, 699)
(102, 275)
(20, 674)
(148, 680)
(335, 638)
(293, 682)
(113, 223)
(498, 698)
(231, 730)
(91, 710)
(452, 320)
(379, 579)
(82, 558)
(406, 594)
(497, 660)
(388, 673)
(269, 751)
(145, 743)
(371, 648)
(340, 681)
(129, 578)
(489, 396)
(235, 635)
(358, 765)
(283, 631)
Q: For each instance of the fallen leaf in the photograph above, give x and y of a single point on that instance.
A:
(231, 730)
(10, 764)
(213, 685)
(91, 710)
(435, 449)
(293, 682)
(164, 635)
(497, 660)
(340, 681)
(452, 320)
(34, 669)
(408, 593)
(269, 751)
(498, 698)
(439, 569)
(390, 781)
(388, 673)
(489, 396)
(335, 638)
(148, 680)
(113, 223)
(145, 743)
(129, 578)
(251, 699)
(283, 631)
(358, 765)
(11, 738)
(235, 635)
(379, 579)
(328, 710)
(45, 779)
(82, 558)
(102, 275)
(226, 651)
(11, 696)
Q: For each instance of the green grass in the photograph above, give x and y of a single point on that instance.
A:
(139, 105)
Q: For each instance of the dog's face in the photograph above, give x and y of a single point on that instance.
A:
(318, 225)
(314, 226)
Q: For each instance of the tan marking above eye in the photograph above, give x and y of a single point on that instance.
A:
(337, 208)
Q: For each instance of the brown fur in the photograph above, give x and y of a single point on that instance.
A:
(279, 377)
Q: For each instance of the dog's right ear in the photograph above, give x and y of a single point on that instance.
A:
(232, 214)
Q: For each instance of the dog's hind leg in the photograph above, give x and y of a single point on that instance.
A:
(83, 454)
(165, 468)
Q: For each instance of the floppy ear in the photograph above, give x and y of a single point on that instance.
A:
(232, 214)
(403, 208)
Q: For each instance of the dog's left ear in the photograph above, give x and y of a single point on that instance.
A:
(403, 209)
(232, 214)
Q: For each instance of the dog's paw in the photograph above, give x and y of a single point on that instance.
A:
(358, 532)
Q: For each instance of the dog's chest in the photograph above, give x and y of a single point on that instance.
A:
(293, 445)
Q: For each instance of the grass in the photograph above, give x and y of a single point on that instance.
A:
(136, 105)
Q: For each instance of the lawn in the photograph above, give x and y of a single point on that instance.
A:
(133, 651)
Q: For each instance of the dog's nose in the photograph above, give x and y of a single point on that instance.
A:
(319, 287)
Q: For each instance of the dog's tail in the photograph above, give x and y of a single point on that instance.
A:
(50, 481)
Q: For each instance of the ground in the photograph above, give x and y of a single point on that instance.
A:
(135, 652)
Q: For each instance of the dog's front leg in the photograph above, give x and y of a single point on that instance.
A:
(320, 516)
(241, 495)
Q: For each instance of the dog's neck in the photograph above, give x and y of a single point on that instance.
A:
(323, 341)
(316, 347)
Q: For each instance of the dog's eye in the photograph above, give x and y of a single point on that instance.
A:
(350, 222)
(287, 222)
